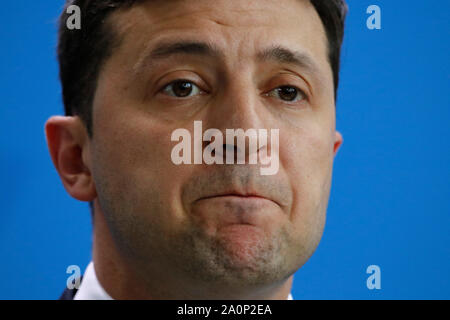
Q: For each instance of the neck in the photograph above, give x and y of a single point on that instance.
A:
(124, 280)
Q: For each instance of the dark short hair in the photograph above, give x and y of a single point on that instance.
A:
(82, 53)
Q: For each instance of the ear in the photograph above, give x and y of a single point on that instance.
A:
(69, 147)
(338, 140)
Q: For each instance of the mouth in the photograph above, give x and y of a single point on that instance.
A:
(236, 209)
(239, 196)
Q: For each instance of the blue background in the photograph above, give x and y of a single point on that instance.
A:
(389, 204)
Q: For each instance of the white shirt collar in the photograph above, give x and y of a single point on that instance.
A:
(91, 289)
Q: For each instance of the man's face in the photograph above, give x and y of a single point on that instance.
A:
(215, 223)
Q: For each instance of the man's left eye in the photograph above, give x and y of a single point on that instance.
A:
(288, 93)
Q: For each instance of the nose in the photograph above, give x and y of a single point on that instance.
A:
(239, 114)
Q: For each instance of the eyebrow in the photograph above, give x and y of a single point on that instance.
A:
(185, 47)
(165, 50)
(284, 55)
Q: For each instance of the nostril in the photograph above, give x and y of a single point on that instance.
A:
(231, 148)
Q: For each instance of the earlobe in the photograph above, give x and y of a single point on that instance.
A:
(68, 144)
(338, 140)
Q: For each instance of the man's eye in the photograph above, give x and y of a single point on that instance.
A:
(288, 93)
(181, 89)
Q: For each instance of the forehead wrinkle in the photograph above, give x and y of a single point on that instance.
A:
(124, 26)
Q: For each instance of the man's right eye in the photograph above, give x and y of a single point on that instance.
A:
(181, 89)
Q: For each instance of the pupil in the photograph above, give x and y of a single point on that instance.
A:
(182, 88)
(288, 93)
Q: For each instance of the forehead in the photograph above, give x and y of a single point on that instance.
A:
(239, 29)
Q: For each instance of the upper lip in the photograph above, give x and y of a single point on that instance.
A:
(236, 193)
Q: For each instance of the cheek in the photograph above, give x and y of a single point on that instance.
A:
(133, 167)
(307, 158)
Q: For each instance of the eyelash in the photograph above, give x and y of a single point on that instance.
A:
(300, 92)
(165, 88)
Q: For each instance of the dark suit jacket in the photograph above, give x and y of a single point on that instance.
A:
(68, 294)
